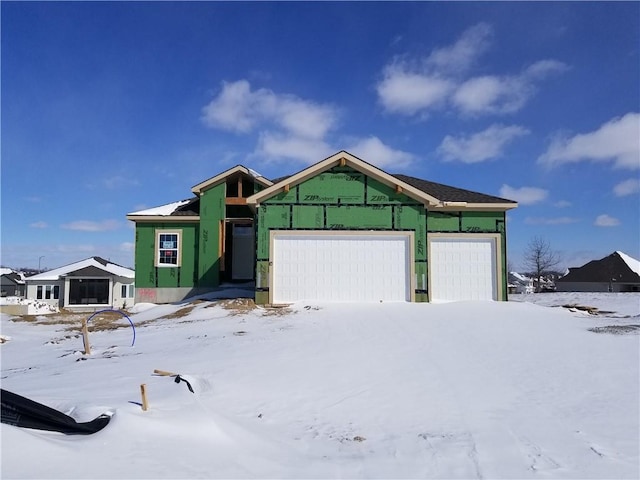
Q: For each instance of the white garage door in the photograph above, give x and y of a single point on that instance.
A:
(340, 267)
(463, 269)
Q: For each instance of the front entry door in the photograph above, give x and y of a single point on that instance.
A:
(243, 252)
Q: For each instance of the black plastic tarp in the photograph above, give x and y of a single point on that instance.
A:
(22, 412)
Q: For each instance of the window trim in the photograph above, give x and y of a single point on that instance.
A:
(178, 249)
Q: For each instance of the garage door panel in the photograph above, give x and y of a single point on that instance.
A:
(463, 269)
(341, 267)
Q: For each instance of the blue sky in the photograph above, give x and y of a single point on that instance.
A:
(109, 108)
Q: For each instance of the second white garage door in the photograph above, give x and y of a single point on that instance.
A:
(340, 267)
(462, 269)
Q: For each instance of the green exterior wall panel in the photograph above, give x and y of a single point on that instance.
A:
(359, 217)
(443, 222)
(284, 197)
(480, 221)
(212, 212)
(379, 193)
(308, 216)
(333, 188)
(150, 276)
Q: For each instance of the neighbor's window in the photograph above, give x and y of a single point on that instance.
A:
(168, 249)
(127, 291)
(48, 292)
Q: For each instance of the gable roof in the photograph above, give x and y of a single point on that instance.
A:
(183, 208)
(446, 193)
(617, 267)
(202, 186)
(15, 277)
(96, 262)
(431, 194)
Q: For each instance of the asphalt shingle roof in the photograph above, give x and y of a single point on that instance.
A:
(447, 193)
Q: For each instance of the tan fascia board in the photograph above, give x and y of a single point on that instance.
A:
(201, 187)
(352, 161)
(481, 207)
(164, 218)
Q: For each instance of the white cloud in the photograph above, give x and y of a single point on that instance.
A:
(127, 246)
(235, 108)
(506, 94)
(490, 94)
(90, 226)
(119, 181)
(416, 87)
(274, 147)
(39, 224)
(461, 55)
(550, 221)
(562, 204)
(377, 153)
(606, 221)
(240, 109)
(543, 68)
(615, 141)
(486, 145)
(627, 187)
(524, 195)
(408, 93)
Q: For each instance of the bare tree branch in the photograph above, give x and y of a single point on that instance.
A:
(540, 259)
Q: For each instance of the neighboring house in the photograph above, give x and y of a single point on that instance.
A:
(12, 283)
(617, 272)
(339, 230)
(89, 284)
(519, 283)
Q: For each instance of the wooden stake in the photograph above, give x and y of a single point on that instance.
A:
(143, 392)
(164, 373)
(85, 337)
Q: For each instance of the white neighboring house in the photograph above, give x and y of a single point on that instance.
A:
(521, 283)
(88, 285)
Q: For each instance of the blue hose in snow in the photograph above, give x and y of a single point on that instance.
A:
(121, 313)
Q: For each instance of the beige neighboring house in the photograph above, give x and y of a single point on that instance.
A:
(88, 285)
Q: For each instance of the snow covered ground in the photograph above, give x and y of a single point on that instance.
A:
(522, 389)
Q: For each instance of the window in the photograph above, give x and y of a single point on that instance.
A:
(127, 291)
(89, 291)
(48, 292)
(168, 249)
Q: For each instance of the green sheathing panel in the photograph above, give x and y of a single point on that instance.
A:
(359, 217)
(379, 193)
(212, 212)
(150, 276)
(340, 199)
(333, 187)
(474, 222)
(308, 216)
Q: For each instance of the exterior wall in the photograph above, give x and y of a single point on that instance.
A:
(10, 288)
(115, 289)
(148, 275)
(199, 266)
(596, 287)
(340, 199)
(212, 213)
(32, 292)
(474, 222)
(345, 199)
